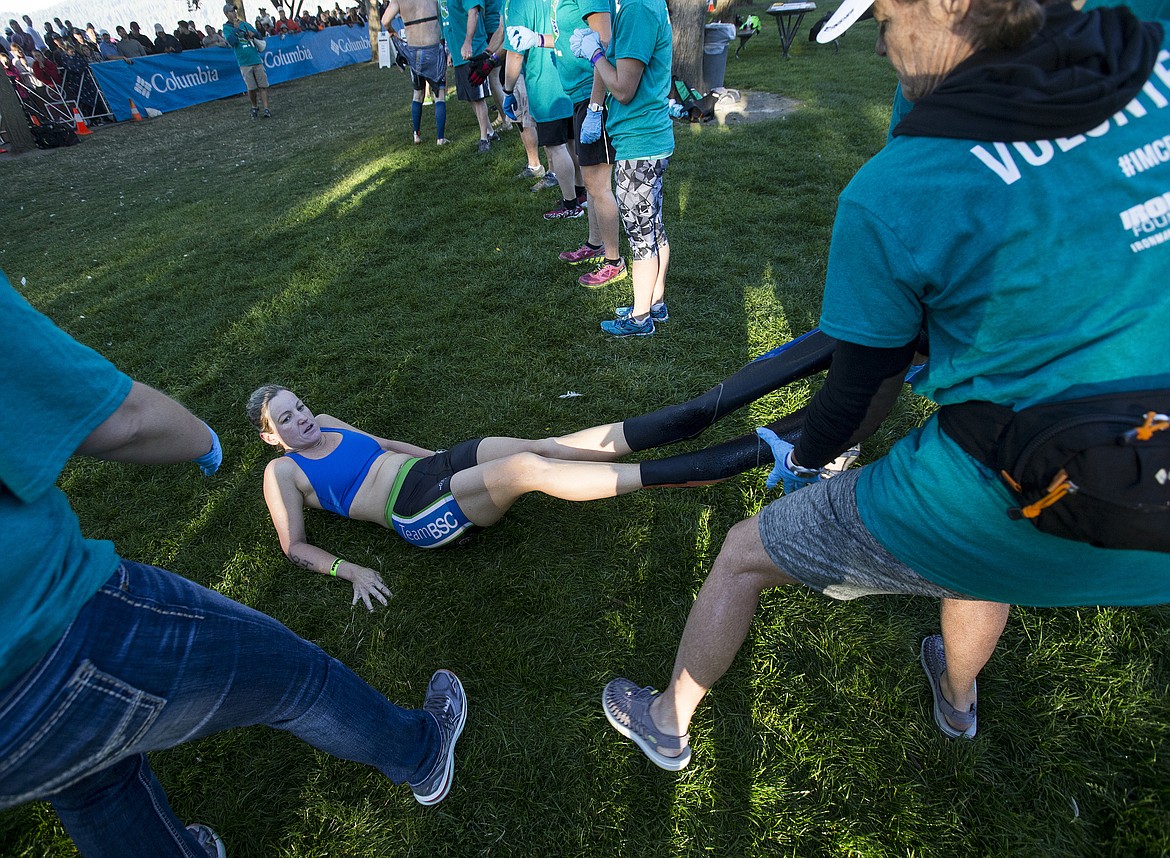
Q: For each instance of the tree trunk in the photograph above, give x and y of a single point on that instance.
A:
(375, 21)
(687, 18)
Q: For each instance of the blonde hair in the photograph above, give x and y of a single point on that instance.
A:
(257, 406)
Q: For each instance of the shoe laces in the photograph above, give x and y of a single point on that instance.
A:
(441, 707)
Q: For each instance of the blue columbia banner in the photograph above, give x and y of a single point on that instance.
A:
(168, 82)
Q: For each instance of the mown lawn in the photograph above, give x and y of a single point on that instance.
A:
(415, 291)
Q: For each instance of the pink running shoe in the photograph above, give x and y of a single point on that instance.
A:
(584, 253)
(605, 274)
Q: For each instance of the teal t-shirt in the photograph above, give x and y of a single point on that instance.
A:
(1147, 10)
(493, 11)
(1042, 272)
(901, 106)
(642, 128)
(454, 16)
(547, 101)
(576, 73)
(239, 38)
(55, 393)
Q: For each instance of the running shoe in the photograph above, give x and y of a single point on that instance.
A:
(658, 313)
(604, 274)
(255, 112)
(446, 701)
(627, 327)
(208, 839)
(493, 137)
(627, 708)
(548, 180)
(267, 113)
(953, 723)
(584, 253)
(563, 212)
(531, 172)
(483, 146)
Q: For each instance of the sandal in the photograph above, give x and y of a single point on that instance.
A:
(627, 708)
(953, 723)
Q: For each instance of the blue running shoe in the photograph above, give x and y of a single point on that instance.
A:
(627, 327)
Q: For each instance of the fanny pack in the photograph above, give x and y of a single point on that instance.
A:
(1093, 470)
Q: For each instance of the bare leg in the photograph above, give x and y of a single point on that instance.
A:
(717, 625)
(596, 444)
(481, 116)
(603, 211)
(264, 97)
(561, 163)
(970, 631)
(485, 492)
(646, 274)
(252, 96)
(528, 138)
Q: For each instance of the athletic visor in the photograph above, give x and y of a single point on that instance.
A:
(847, 14)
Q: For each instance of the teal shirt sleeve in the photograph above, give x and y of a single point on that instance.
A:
(629, 40)
(870, 268)
(56, 390)
(592, 7)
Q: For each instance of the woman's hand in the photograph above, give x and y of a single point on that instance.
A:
(367, 584)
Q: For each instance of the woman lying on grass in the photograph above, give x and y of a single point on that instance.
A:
(435, 499)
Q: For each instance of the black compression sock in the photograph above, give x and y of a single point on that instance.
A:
(721, 461)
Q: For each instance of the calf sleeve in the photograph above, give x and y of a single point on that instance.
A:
(416, 115)
(441, 119)
(721, 461)
(807, 354)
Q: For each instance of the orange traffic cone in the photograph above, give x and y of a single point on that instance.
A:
(134, 114)
(82, 128)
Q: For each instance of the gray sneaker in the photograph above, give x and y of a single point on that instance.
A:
(953, 723)
(445, 701)
(530, 172)
(483, 146)
(208, 839)
(548, 180)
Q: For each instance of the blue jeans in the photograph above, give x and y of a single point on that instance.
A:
(154, 660)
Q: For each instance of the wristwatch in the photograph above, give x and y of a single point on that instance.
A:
(594, 107)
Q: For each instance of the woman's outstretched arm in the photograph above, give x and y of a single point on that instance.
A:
(286, 506)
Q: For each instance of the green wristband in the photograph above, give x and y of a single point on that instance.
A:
(334, 567)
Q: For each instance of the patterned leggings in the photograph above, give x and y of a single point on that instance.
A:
(639, 198)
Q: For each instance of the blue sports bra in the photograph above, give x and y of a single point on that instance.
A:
(337, 477)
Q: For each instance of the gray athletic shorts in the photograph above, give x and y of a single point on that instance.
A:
(816, 536)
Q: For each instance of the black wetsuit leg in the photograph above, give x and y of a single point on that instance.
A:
(721, 461)
(807, 354)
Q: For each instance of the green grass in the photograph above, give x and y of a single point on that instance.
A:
(415, 291)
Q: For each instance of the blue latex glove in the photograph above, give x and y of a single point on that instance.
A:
(510, 105)
(584, 43)
(210, 461)
(794, 477)
(591, 127)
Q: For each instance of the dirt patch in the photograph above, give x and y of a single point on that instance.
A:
(736, 107)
